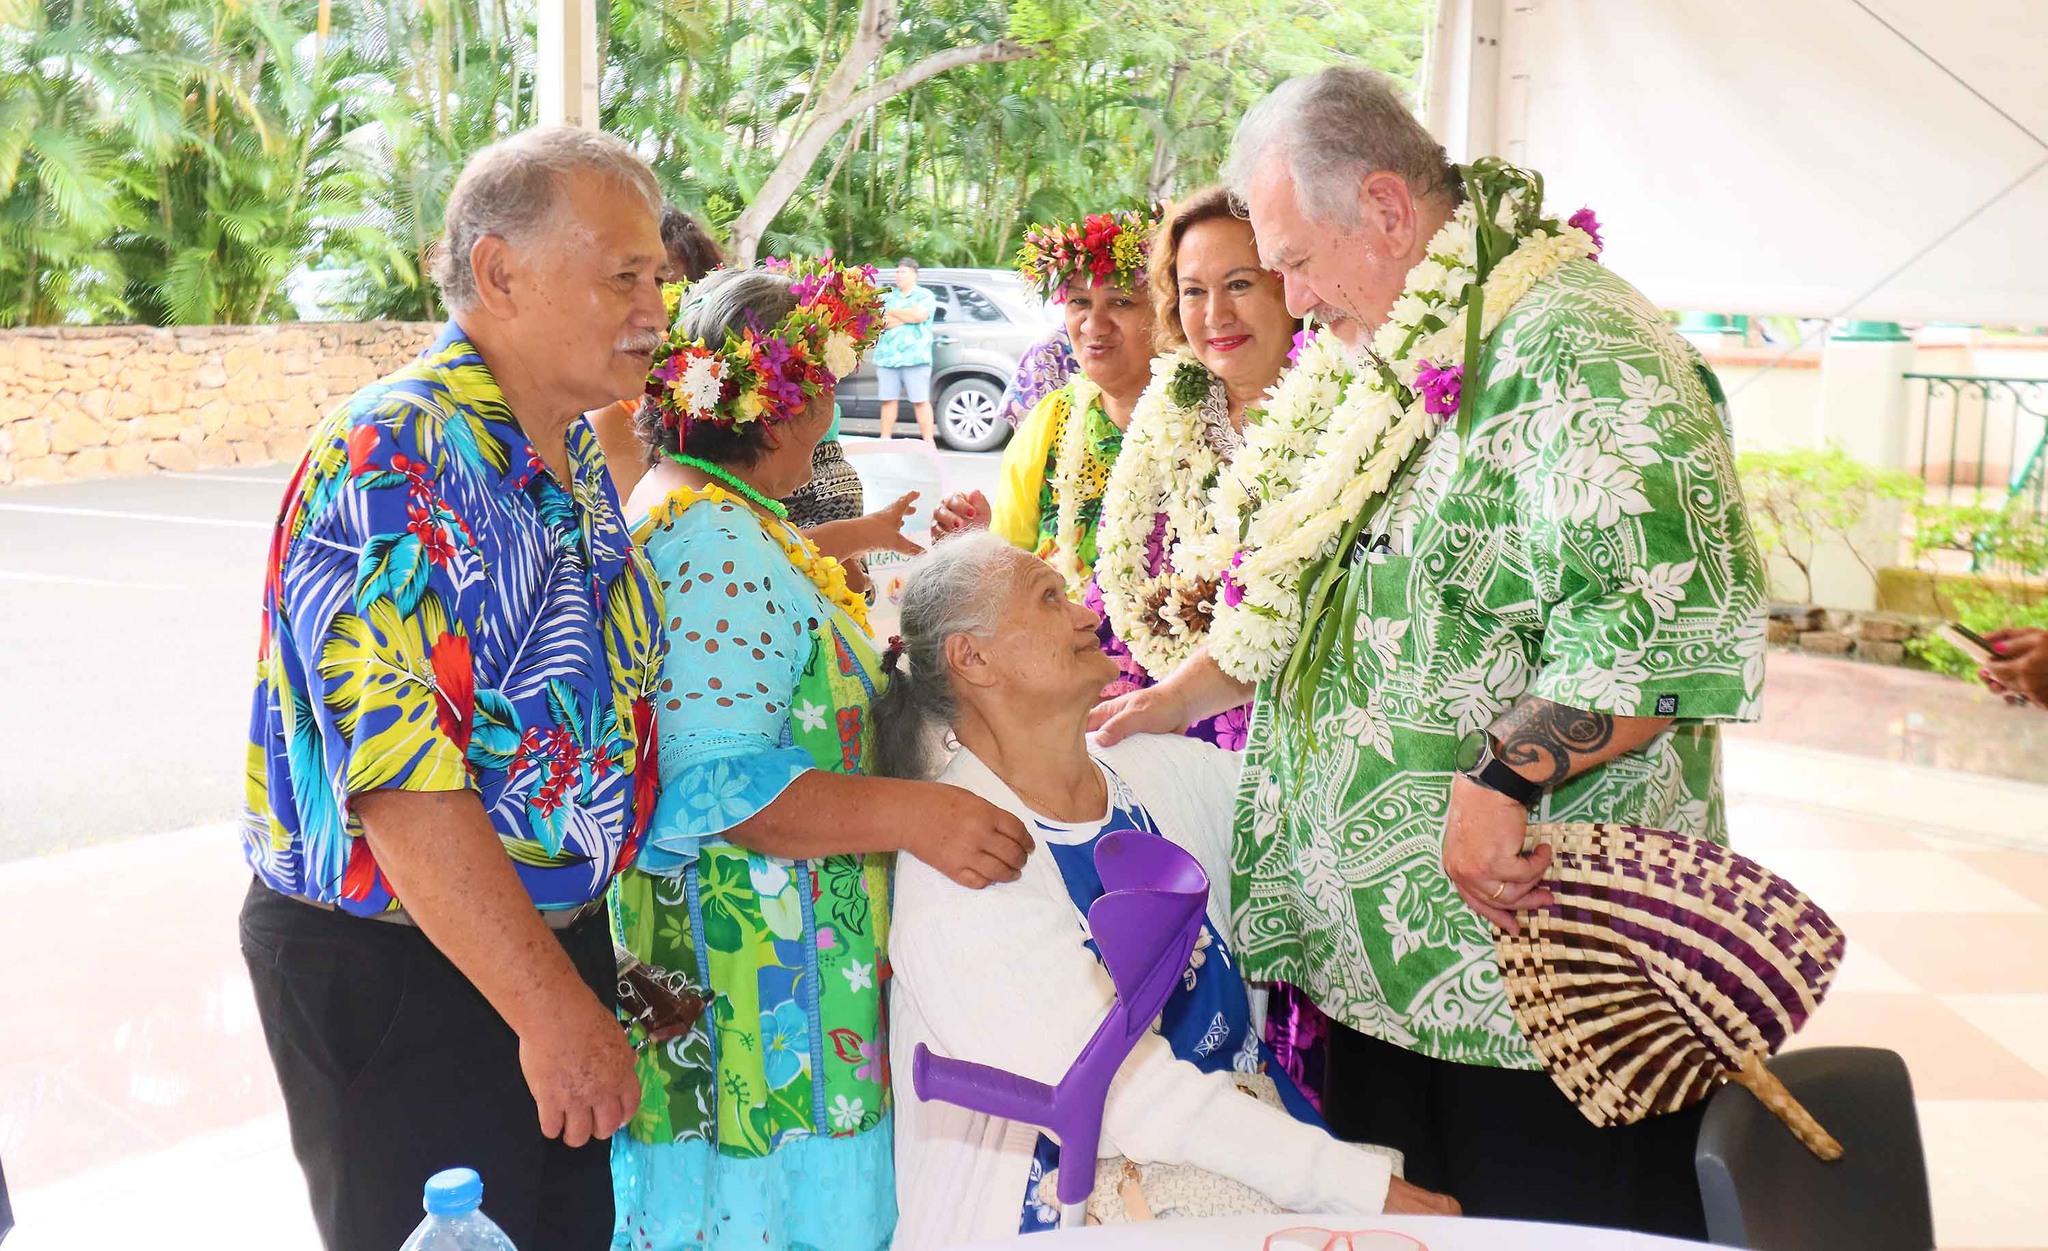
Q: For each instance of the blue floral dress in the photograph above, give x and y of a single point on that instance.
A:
(1207, 1022)
(769, 1125)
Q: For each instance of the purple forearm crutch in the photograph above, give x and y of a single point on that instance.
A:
(1145, 925)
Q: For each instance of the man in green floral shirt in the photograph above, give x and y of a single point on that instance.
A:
(1557, 610)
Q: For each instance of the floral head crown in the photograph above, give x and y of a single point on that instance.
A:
(1109, 248)
(769, 373)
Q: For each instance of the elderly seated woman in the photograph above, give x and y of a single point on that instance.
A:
(993, 655)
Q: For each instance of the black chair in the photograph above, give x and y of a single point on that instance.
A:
(1763, 1190)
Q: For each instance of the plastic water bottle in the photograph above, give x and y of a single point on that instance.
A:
(455, 1219)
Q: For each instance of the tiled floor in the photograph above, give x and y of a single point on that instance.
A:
(137, 1106)
(1903, 716)
(1941, 880)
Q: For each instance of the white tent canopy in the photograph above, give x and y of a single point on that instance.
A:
(1776, 156)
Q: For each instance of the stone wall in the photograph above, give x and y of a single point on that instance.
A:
(106, 401)
(1879, 637)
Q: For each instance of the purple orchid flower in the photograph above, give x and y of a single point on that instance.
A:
(1302, 338)
(1441, 388)
(1233, 594)
(1584, 220)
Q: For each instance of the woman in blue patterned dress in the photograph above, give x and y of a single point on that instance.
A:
(766, 872)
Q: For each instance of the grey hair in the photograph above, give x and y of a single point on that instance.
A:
(729, 300)
(1334, 128)
(726, 302)
(953, 589)
(515, 189)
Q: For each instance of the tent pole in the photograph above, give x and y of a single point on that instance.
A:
(567, 38)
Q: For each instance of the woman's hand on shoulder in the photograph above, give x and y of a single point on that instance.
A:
(964, 836)
(1153, 710)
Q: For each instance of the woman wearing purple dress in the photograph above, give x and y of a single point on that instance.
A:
(1044, 368)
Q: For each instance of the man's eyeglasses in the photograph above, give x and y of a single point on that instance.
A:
(1311, 1238)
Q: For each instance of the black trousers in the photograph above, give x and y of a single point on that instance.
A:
(1507, 1143)
(394, 1067)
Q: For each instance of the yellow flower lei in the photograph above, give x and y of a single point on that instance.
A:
(825, 572)
(1074, 457)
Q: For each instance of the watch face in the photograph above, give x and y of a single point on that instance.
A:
(1470, 748)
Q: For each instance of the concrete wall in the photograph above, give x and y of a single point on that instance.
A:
(1774, 400)
(104, 401)
(1852, 394)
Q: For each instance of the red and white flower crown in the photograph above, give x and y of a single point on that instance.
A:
(769, 374)
(1107, 248)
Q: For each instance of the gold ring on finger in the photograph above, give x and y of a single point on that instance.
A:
(1498, 891)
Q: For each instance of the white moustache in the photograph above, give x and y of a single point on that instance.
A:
(641, 343)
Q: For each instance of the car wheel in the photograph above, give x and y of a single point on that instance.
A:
(970, 416)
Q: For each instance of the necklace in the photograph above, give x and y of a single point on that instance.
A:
(824, 572)
(1224, 439)
(731, 479)
(1334, 445)
(1076, 476)
(1157, 517)
(1088, 803)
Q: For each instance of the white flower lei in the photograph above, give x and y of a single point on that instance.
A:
(1322, 460)
(1269, 464)
(1066, 485)
(1166, 459)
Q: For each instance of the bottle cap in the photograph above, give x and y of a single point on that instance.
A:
(453, 1192)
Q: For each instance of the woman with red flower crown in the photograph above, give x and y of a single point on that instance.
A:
(1055, 470)
(766, 874)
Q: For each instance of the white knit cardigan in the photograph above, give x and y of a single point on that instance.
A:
(1002, 977)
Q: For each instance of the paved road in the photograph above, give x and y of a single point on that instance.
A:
(128, 618)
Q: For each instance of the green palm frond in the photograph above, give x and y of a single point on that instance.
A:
(71, 169)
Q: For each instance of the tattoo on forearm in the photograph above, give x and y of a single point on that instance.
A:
(1545, 736)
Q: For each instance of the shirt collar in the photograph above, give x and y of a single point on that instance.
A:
(480, 394)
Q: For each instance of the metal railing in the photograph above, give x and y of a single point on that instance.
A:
(1982, 444)
(1980, 439)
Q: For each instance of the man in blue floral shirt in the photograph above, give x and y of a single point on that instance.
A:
(450, 747)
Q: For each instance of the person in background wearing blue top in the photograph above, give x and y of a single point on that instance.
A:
(903, 357)
(451, 746)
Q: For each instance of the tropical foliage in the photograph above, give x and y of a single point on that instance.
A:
(175, 161)
(1803, 501)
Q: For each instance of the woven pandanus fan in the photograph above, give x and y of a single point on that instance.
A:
(1667, 965)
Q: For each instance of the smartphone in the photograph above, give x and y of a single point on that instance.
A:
(1968, 642)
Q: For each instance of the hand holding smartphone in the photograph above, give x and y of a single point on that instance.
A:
(1968, 642)
(1979, 649)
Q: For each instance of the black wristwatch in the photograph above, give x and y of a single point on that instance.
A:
(1477, 761)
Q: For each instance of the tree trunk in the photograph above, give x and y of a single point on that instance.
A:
(1165, 162)
(841, 102)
